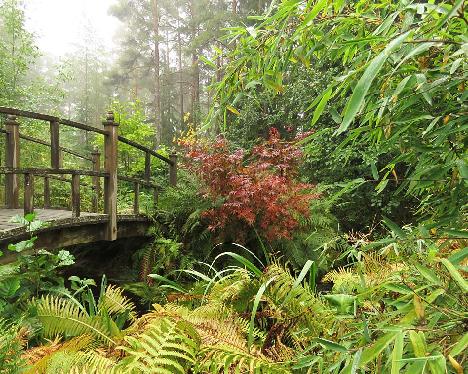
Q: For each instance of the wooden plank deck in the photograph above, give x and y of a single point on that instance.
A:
(45, 215)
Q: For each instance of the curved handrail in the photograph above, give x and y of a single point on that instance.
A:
(81, 126)
(43, 142)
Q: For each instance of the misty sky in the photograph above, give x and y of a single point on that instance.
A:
(59, 25)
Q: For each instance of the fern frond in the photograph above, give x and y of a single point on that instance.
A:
(226, 359)
(91, 362)
(114, 303)
(63, 317)
(165, 347)
(344, 280)
(42, 357)
(230, 286)
(296, 302)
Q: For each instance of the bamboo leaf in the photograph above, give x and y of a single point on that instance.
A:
(418, 342)
(375, 349)
(461, 346)
(397, 353)
(208, 62)
(430, 275)
(363, 85)
(450, 14)
(321, 106)
(233, 110)
(394, 227)
(456, 276)
(331, 345)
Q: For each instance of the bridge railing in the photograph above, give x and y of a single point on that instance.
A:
(12, 169)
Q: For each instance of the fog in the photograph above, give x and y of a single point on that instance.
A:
(61, 25)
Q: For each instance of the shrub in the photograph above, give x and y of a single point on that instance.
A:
(255, 190)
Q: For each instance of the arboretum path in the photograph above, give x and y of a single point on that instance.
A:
(29, 188)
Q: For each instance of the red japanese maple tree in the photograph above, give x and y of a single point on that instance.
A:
(257, 190)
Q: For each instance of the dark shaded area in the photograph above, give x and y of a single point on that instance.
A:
(114, 259)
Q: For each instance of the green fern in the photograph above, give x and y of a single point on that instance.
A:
(61, 316)
(115, 304)
(290, 301)
(165, 347)
(226, 359)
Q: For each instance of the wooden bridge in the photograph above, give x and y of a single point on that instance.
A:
(68, 224)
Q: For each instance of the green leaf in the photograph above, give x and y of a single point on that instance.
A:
(394, 227)
(438, 365)
(321, 106)
(450, 14)
(418, 341)
(455, 65)
(375, 349)
(314, 12)
(363, 85)
(233, 110)
(345, 304)
(397, 353)
(375, 172)
(8, 287)
(460, 347)
(208, 62)
(458, 256)
(247, 263)
(462, 168)
(456, 276)
(256, 303)
(331, 345)
(430, 275)
(168, 282)
(299, 279)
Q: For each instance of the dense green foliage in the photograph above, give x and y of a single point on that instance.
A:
(324, 229)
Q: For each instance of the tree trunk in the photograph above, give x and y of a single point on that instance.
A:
(181, 84)
(195, 69)
(157, 81)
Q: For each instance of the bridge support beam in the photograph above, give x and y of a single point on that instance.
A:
(110, 181)
(12, 155)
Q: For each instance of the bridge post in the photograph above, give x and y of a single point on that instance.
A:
(96, 155)
(55, 159)
(110, 182)
(28, 193)
(173, 169)
(12, 161)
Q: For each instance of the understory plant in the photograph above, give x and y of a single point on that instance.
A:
(257, 190)
(399, 306)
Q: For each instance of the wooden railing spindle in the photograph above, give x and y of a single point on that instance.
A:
(55, 159)
(12, 155)
(136, 199)
(46, 192)
(96, 156)
(76, 200)
(110, 182)
(28, 193)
